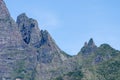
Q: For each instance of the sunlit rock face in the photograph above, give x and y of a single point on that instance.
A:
(3, 10)
(12, 48)
(9, 33)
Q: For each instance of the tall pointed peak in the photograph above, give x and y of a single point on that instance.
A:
(91, 42)
(29, 29)
(88, 48)
(4, 13)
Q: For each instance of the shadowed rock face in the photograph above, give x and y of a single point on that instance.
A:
(29, 29)
(35, 37)
(38, 39)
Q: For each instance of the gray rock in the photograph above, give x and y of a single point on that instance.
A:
(14, 57)
(26, 52)
(39, 39)
(89, 48)
(4, 13)
(49, 55)
(29, 29)
(9, 34)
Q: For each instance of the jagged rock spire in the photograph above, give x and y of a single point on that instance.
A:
(3, 10)
(89, 47)
(29, 29)
(91, 42)
(33, 36)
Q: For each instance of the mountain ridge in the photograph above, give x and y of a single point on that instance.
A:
(30, 53)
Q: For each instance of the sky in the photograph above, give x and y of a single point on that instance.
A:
(73, 22)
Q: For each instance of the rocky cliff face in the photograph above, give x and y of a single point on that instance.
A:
(26, 52)
(38, 39)
(14, 62)
(49, 55)
(9, 33)
(29, 30)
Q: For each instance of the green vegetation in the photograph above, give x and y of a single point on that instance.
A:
(110, 70)
(75, 75)
(105, 50)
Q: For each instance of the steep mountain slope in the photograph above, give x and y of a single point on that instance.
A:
(49, 55)
(9, 33)
(12, 49)
(39, 39)
(26, 53)
(13, 57)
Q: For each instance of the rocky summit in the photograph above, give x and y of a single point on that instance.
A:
(26, 52)
(30, 53)
(88, 48)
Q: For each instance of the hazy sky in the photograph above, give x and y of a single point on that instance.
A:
(72, 22)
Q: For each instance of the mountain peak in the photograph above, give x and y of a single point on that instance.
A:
(91, 42)
(89, 47)
(4, 13)
(29, 29)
